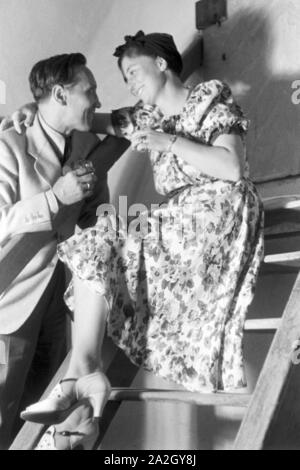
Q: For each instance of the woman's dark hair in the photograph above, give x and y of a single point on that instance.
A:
(152, 45)
(135, 51)
(57, 70)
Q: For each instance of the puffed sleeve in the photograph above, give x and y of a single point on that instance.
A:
(218, 113)
(135, 118)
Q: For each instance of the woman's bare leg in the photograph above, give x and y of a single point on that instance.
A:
(91, 312)
(90, 317)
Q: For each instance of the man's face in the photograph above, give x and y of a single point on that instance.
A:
(82, 101)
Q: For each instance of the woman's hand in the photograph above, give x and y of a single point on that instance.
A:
(25, 115)
(224, 159)
(151, 140)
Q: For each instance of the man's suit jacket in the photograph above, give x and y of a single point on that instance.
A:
(29, 168)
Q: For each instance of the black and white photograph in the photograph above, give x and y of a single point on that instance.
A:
(149, 227)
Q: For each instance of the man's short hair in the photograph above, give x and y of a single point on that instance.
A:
(57, 70)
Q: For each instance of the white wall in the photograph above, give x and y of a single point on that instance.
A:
(34, 29)
(261, 42)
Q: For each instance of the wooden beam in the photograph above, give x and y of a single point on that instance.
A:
(284, 433)
(290, 218)
(262, 325)
(282, 233)
(282, 215)
(273, 377)
(17, 254)
(287, 186)
(281, 199)
(291, 259)
(182, 396)
(289, 201)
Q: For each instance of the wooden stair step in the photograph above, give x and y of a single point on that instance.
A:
(195, 398)
(291, 259)
(275, 203)
(262, 324)
(268, 394)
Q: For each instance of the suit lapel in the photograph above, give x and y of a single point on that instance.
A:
(47, 163)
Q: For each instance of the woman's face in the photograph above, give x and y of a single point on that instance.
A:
(144, 77)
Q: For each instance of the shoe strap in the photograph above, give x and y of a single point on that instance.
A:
(68, 380)
(70, 433)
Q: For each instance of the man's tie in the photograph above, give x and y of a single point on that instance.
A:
(67, 151)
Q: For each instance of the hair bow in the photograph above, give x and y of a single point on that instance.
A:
(139, 38)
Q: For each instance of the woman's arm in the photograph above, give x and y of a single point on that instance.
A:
(25, 115)
(224, 159)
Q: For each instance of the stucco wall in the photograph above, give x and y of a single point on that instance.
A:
(257, 51)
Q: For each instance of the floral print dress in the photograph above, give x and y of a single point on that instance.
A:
(178, 293)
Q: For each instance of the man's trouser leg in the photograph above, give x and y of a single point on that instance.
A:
(31, 355)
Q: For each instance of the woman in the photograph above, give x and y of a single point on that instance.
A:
(174, 299)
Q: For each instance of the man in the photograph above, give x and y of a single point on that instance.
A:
(44, 188)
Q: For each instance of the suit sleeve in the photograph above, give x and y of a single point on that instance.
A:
(28, 215)
(103, 157)
(88, 214)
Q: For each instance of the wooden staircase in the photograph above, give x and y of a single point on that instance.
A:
(266, 400)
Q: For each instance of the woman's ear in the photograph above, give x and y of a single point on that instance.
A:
(162, 64)
(59, 94)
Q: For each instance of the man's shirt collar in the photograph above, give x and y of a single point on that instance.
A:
(57, 140)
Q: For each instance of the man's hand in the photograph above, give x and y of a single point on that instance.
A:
(75, 185)
(25, 115)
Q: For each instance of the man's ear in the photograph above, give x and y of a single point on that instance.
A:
(162, 64)
(59, 94)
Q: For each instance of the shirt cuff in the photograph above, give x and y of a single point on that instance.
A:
(52, 202)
